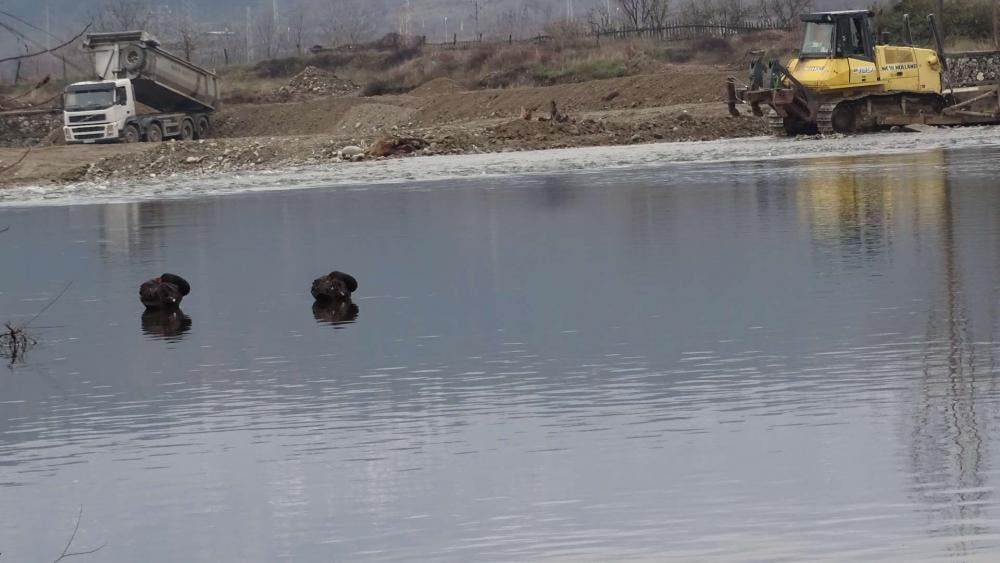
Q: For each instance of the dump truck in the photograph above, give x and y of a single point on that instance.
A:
(841, 81)
(141, 93)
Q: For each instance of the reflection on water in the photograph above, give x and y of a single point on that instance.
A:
(168, 324)
(335, 312)
(722, 363)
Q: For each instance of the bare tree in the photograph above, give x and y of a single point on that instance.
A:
(784, 12)
(266, 31)
(600, 20)
(186, 31)
(123, 15)
(349, 21)
(718, 12)
(298, 14)
(644, 13)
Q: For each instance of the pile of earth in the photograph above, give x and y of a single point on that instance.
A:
(313, 81)
(436, 87)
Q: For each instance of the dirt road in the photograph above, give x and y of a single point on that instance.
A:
(50, 164)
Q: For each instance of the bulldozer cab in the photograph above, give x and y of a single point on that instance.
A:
(838, 35)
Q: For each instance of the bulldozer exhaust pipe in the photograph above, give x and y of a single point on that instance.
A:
(936, 32)
(907, 33)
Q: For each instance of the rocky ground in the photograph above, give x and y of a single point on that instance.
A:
(330, 121)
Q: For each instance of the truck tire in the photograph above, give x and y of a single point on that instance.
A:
(133, 58)
(131, 134)
(154, 133)
(187, 130)
(202, 127)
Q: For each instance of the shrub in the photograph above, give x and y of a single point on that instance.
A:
(479, 57)
(674, 55)
(400, 55)
(385, 86)
(712, 46)
(278, 68)
(597, 69)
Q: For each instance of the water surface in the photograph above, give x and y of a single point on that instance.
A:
(721, 361)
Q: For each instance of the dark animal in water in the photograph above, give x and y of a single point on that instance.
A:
(336, 286)
(164, 292)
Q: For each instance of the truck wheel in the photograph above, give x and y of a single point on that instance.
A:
(131, 134)
(154, 134)
(203, 127)
(187, 130)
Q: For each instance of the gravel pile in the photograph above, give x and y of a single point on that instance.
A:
(316, 82)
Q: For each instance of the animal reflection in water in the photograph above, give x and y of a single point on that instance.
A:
(164, 292)
(335, 313)
(165, 323)
(332, 294)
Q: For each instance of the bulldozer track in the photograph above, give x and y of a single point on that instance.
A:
(824, 119)
(777, 124)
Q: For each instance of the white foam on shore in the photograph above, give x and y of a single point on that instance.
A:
(412, 172)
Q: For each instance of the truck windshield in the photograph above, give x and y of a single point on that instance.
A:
(818, 41)
(91, 97)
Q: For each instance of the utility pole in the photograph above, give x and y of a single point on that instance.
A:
(249, 44)
(996, 22)
(940, 19)
(48, 27)
(475, 3)
(276, 29)
(446, 29)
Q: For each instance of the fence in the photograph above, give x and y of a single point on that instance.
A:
(673, 32)
(685, 32)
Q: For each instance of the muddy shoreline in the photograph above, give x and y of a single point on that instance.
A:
(683, 105)
(222, 156)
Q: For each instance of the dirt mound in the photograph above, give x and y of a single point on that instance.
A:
(10, 104)
(372, 118)
(316, 82)
(688, 85)
(436, 87)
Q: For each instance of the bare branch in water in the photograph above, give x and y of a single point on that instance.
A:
(66, 552)
(49, 304)
(15, 341)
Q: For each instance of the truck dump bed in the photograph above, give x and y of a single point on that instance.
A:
(161, 80)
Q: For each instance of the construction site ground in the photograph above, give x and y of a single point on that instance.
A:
(680, 103)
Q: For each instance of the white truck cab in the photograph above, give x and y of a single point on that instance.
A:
(99, 111)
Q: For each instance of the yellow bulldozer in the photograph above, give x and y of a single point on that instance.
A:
(842, 82)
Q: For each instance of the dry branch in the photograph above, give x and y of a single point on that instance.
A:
(15, 340)
(42, 52)
(66, 552)
(14, 343)
(40, 83)
(16, 162)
